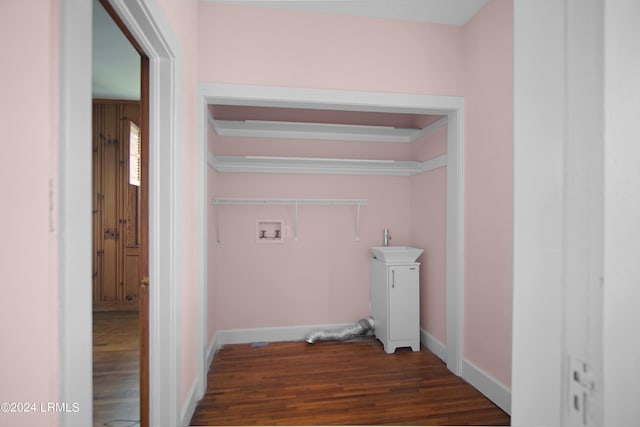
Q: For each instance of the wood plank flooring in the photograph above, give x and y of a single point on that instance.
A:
(338, 383)
(116, 363)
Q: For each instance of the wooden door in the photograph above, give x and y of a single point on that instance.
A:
(116, 207)
(143, 259)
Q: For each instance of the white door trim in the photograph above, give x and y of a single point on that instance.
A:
(277, 96)
(148, 25)
(74, 213)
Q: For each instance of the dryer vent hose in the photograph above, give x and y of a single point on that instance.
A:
(362, 327)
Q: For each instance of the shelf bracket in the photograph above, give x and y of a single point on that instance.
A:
(295, 222)
(358, 221)
(217, 222)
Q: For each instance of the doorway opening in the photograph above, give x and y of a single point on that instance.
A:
(120, 223)
(279, 97)
(144, 20)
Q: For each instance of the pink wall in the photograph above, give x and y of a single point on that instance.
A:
(241, 146)
(182, 16)
(29, 358)
(488, 45)
(266, 46)
(323, 276)
(250, 45)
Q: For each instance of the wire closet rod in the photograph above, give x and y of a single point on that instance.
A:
(294, 202)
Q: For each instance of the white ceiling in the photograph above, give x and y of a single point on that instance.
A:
(451, 12)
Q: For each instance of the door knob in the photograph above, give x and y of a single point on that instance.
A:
(144, 281)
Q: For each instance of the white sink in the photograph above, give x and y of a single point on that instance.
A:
(391, 254)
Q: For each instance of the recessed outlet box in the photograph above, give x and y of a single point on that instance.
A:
(269, 231)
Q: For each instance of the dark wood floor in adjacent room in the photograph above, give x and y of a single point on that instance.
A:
(338, 383)
(116, 388)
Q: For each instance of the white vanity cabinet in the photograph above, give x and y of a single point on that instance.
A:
(395, 303)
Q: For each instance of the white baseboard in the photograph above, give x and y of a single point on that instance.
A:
(433, 345)
(483, 382)
(281, 333)
(190, 407)
(487, 385)
(211, 350)
(275, 334)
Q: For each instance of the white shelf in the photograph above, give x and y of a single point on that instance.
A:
(320, 131)
(320, 166)
(325, 202)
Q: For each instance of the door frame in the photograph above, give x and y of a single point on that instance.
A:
(277, 96)
(147, 24)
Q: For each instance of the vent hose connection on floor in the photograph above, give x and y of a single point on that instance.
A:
(362, 327)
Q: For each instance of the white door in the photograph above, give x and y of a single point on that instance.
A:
(558, 213)
(583, 225)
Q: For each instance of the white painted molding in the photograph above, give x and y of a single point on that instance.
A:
(299, 165)
(319, 131)
(435, 163)
(487, 385)
(322, 131)
(432, 127)
(275, 334)
(213, 346)
(328, 99)
(189, 407)
(202, 249)
(433, 345)
(455, 239)
(296, 333)
(148, 24)
(319, 166)
(74, 218)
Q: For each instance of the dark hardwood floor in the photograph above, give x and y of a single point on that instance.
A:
(338, 383)
(116, 363)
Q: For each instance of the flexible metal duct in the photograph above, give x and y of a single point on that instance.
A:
(348, 332)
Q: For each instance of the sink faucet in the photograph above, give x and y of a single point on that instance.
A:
(387, 237)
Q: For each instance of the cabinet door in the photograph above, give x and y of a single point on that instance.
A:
(404, 316)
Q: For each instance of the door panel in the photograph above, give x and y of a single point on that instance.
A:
(143, 235)
(402, 299)
(109, 205)
(116, 207)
